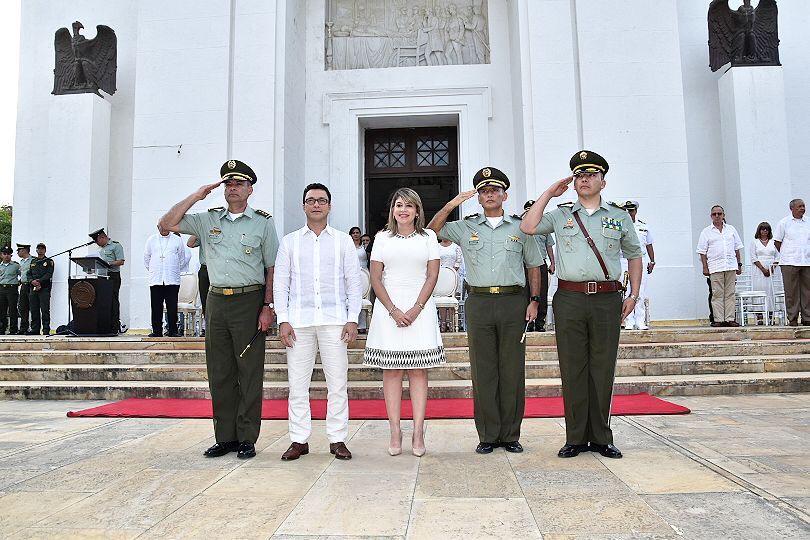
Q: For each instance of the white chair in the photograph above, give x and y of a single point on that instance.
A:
(749, 302)
(365, 287)
(779, 307)
(187, 303)
(444, 294)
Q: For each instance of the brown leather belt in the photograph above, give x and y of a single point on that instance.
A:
(230, 291)
(590, 287)
(501, 289)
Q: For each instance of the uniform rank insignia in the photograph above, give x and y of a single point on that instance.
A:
(569, 224)
(474, 237)
(514, 238)
(611, 223)
(216, 230)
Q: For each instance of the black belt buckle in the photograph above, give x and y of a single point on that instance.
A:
(591, 287)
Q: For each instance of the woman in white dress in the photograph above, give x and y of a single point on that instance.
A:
(764, 261)
(449, 257)
(362, 256)
(404, 331)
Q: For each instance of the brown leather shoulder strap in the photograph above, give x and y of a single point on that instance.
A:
(593, 246)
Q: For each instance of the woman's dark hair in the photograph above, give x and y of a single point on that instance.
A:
(764, 225)
(316, 185)
(355, 229)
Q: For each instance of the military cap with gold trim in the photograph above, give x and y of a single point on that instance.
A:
(237, 170)
(23, 246)
(490, 176)
(95, 234)
(631, 205)
(586, 161)
(6, 250)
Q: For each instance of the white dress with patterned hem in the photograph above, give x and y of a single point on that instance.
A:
(405, 269)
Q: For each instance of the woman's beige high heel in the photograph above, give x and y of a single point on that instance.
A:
(418, 452)
(395, 451)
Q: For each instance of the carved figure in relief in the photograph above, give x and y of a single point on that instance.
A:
(455, 36)
(478, 27)
(435, 45)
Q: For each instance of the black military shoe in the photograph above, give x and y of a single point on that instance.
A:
(484, 448)
(607, 450)
(246, 450)
(222, 448)
(513, 447)
(572, 450)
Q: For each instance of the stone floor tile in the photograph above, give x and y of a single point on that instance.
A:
(666, 471)
(137, 502)
(208, 516)
(23, 509)
(466, 475)
(10, 477)
(549, 484)
(543, 456)
(781, 484)
(317, 462)
(289, 480)
(353, 504)
(625, 514)
(373, 457)
(726, 515)
(472, 518)
(451, 436)
(318, 441)
(41, 533)
(800, 503)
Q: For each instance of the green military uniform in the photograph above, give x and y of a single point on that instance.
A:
(496, 314)
(587, 324)
(112, 251)
(237, 254)
(39, 299)
(9, 283)
(25, 289)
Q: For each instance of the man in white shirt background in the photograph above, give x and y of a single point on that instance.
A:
(719, 248)
(792, 239)
(317, 295)
(165, 257)
(639, 316)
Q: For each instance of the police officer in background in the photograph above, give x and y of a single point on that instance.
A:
(9, 284)
(639, 317)
(497, 309)
(24, 253)
(588, 306)
(113, 253)
(545, 243)
(240, 246)
(39, 299)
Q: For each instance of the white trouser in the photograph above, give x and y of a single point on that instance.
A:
(638, 316)
(300, 363)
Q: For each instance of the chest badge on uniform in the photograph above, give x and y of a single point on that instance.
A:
(569, 224)
(514, 238)
(216, 230)
(612, 223)
(474, 238)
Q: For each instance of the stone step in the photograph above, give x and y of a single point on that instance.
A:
(454, 354)
(448, 372)
(655, 335)
(664, 385)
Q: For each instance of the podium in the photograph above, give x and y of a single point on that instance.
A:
(91, 294)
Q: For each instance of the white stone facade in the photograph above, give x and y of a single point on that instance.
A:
(200, 81)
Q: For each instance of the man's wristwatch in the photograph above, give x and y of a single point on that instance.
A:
(535, 299)
(634, 297)
(268, 304)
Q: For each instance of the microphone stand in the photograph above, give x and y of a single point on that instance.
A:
(69, 251)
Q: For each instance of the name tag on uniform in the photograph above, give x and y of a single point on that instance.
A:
(611, 223)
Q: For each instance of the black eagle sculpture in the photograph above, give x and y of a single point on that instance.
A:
(747, 36)
(85, 65)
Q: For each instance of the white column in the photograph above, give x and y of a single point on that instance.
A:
(71, 199)
(755, 146)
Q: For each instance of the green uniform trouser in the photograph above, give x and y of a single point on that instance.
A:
(587, 329)
(115, 316)
(495, 324)
(8, 308)
(236, 383)
(40, 302)
(22, 306)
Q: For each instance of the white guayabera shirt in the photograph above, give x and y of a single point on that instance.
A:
(165, 257)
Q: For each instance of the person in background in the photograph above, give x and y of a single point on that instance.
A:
(164, 258)
(202, 277)
(357, 238)
(545, 242)
(639, 317)
(764, 261)
(792, 239)
(24, 253)
(9, 291)
(719, 248)
(113, 253)
(449, 257)
(39, 299)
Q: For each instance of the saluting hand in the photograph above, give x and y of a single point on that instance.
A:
(287, 334)
(203, 191)
(560, 186)
(456, 201)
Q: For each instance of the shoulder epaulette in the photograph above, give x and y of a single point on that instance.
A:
(642, 222)
(516, 216)
(216, 209)
(471, 216)
(620, 206)
(569, 204)
(264, 214)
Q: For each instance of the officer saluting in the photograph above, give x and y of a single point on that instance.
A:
(588, 307)
(240, 246)
(495, 253)
(9, 282)
(24, 253)
(39, 299)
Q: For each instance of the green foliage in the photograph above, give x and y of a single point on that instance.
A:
(5, 225)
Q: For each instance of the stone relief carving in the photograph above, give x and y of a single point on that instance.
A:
(364, 34)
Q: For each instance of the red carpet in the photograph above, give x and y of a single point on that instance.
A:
(368, 409)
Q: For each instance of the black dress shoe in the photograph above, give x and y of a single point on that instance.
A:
(221, 448)
(153, 334)
(246, 450)
(484, 448)
(607, 450)
(716, 324)
(513, 447)
(572, 450)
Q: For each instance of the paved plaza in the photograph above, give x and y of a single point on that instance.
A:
(737, 467)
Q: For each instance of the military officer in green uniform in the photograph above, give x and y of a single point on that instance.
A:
(498, 308)
(9, 284)
(240, 246)
(39, 299)
(24, 253)
(113, 253)
(588, 308)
